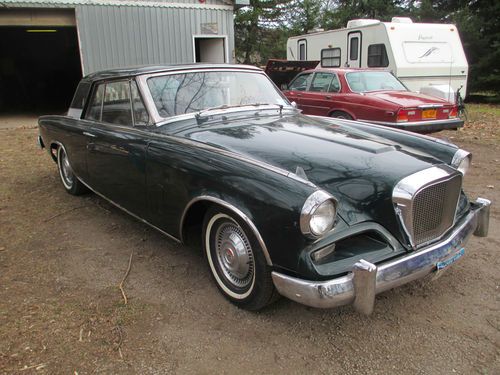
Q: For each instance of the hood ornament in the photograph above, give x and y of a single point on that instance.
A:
(299, 171)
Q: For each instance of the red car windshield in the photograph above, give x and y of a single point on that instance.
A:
(373, 81)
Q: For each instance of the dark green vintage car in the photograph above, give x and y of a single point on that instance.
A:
(326, 212)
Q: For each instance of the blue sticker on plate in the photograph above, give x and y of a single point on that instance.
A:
(454, 258)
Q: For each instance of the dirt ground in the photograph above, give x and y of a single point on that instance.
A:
(61, 311)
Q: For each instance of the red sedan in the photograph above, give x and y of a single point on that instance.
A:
(370, 95)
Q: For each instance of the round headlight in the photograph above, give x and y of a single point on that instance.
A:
(461, 161)
(323, 218)
(318, 214)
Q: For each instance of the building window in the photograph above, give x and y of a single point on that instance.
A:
(377, 56)
(353, 49)
(330, 58)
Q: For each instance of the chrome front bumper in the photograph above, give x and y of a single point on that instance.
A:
(360, 286)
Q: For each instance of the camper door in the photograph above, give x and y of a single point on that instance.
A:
(354, 49)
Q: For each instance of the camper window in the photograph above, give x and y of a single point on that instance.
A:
(377, 56)
(302, 49)
(330, 58)
(353, 50)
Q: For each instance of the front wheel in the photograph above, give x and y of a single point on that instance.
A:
(68, 178)
(236, 261)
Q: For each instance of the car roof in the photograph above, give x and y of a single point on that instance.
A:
(146, 69)
(346, 70)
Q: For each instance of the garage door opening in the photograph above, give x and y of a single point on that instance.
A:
(39, 68)
(210, 49)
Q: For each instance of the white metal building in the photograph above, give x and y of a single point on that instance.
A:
(47, 45)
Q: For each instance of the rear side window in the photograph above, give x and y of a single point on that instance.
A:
(81, 94)
(321, 82)
(330, 58)
(377, 56)
(95, 105)
(116, 108)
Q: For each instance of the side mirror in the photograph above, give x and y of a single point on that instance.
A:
(294, 105)
(284, 86)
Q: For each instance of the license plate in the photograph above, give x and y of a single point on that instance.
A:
(445, 263)
(429, 113)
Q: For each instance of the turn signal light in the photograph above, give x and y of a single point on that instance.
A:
(453, 112)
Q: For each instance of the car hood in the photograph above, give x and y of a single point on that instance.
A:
(406, 99)
(359, 169)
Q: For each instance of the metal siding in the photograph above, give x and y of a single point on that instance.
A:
(124, 36)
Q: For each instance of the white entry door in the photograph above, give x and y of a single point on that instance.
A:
(354, 49)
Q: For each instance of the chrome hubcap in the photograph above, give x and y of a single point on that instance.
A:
(234, 255)
(66, 172)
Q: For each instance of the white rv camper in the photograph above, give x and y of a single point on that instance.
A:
(428, 58)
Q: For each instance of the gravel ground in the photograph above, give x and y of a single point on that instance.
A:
(61, 311)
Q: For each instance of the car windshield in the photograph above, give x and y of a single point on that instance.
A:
(178, 94)
(373, 81)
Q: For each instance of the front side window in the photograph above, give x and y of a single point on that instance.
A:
(301, 83)
(377, 56)
(178, 94)
(373, 81)
(330, 58)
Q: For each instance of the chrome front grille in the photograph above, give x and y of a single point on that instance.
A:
(426, 203)
(434, 209)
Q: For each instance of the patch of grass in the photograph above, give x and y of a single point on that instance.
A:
(483, 109)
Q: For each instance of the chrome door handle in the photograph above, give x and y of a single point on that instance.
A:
(328, 97)
(89, 134)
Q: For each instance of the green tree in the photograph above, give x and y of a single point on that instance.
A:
(258, 29)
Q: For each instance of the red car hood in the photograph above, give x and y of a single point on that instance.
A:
(407, 99)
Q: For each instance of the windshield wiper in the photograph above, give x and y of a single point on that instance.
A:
(201, 116)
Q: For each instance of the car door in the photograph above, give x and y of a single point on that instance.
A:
(116, 146)
(321, 95)
(297, 87)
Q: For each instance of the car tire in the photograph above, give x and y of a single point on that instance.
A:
(341, 114)
(236, 260)
(69, 180)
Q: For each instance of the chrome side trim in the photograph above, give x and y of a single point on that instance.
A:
(128, 212)
(232, 208)
(352, 288)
